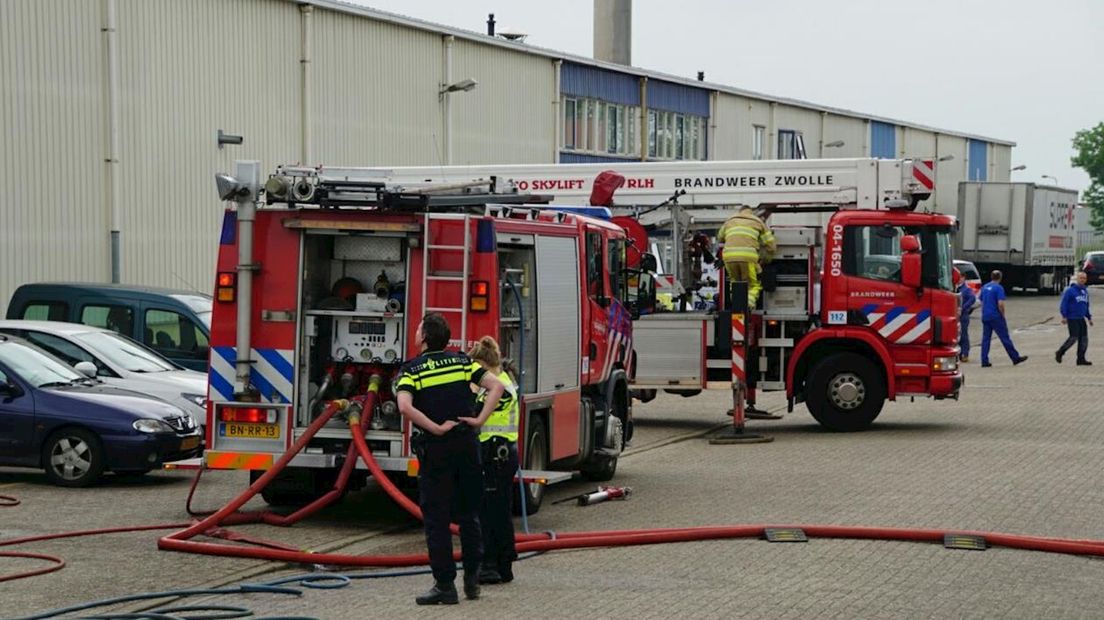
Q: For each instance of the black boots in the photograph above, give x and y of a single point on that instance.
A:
(504, 573)
(471, 584)
(442, 593)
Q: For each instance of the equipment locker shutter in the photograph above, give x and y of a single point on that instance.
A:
(558, 308)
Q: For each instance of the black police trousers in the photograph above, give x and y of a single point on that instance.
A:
(450, 485)
(495, 511)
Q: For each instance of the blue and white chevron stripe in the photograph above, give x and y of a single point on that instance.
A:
(272, 374)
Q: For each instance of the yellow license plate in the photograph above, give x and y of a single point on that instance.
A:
(189, 442)
(250, 431)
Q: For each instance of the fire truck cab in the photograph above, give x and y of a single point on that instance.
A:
(342, 267)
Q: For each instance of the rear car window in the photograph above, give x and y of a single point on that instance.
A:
(1096, 259)
(116, 318)
(46, 311)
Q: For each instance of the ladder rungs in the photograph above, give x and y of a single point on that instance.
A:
(460, 310)
(446, 278)
(458, 248)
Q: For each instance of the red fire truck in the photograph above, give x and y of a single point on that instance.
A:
(859, 306)
(322, 281)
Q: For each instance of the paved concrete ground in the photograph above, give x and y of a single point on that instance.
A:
(1019, 453)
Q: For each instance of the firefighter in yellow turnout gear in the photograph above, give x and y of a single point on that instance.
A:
(498, 441)
(748, 244)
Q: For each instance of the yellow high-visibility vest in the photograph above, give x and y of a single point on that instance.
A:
(503, 422)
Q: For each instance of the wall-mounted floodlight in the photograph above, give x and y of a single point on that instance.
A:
(834, 144)
(463, 85)
(946, 158)
(1020, 167)
(227, 138)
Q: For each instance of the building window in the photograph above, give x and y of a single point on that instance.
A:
(758, 139)
(675, 136)
(570, 107)
(791, 144)
(600, 127)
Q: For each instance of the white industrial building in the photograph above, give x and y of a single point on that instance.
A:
(112, 110)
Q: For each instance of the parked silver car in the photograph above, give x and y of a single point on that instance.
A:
(118, 361)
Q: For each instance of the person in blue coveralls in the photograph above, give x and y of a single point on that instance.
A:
(1077, 317)
(992, 320)
(968, 305)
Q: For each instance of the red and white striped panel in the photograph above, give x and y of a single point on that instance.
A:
(923, 170)
(738, 339)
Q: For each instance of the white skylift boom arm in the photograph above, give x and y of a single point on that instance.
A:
(855, 183)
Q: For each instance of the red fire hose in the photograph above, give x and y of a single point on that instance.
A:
(540, 542)
(213, 524)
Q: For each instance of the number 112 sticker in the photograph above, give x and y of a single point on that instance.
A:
(837, 317)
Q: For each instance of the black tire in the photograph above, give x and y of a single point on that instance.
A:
(602, 468)
(536, 458)
(645, 396)
(73, 457)
(845, 392)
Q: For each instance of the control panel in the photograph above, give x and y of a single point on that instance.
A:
(366, 339)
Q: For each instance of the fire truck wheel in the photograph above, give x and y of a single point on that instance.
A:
(536, 458)
(845, 392)
(644, 396)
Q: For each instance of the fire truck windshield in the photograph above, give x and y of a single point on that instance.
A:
(938, 262)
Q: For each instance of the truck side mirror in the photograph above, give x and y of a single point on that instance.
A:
(910, 269)
(645, 295)
(649, 263)
(909, 243)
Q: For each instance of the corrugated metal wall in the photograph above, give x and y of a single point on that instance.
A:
(677, 98)
(188, 69)
(585, 81)
(978, 169)
(883, 140)
(948, 174)
(1000, 164)
(510, 117)
(375, 92)
(807, 122)
(917, 143)
(853, 132)
(53, 223)
(735, 118)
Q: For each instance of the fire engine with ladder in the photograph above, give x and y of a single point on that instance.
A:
(858, 306)
(324, 275)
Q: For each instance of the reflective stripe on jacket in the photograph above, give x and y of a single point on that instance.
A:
(746, 238)
(503, 421)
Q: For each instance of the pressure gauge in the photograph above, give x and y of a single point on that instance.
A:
(390, 356)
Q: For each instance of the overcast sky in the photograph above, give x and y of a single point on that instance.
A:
(1027, 71)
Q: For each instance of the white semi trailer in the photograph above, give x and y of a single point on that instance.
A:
(1027, 231)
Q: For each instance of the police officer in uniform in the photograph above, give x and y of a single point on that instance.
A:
(498, 437)
(433, 393)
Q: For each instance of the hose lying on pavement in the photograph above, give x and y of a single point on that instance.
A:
(213, 524)
(180, 541)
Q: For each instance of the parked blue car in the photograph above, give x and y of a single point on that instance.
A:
(76, 428)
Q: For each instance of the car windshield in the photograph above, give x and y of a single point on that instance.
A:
(35, 366)
(124, 353)
(1096, 259)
